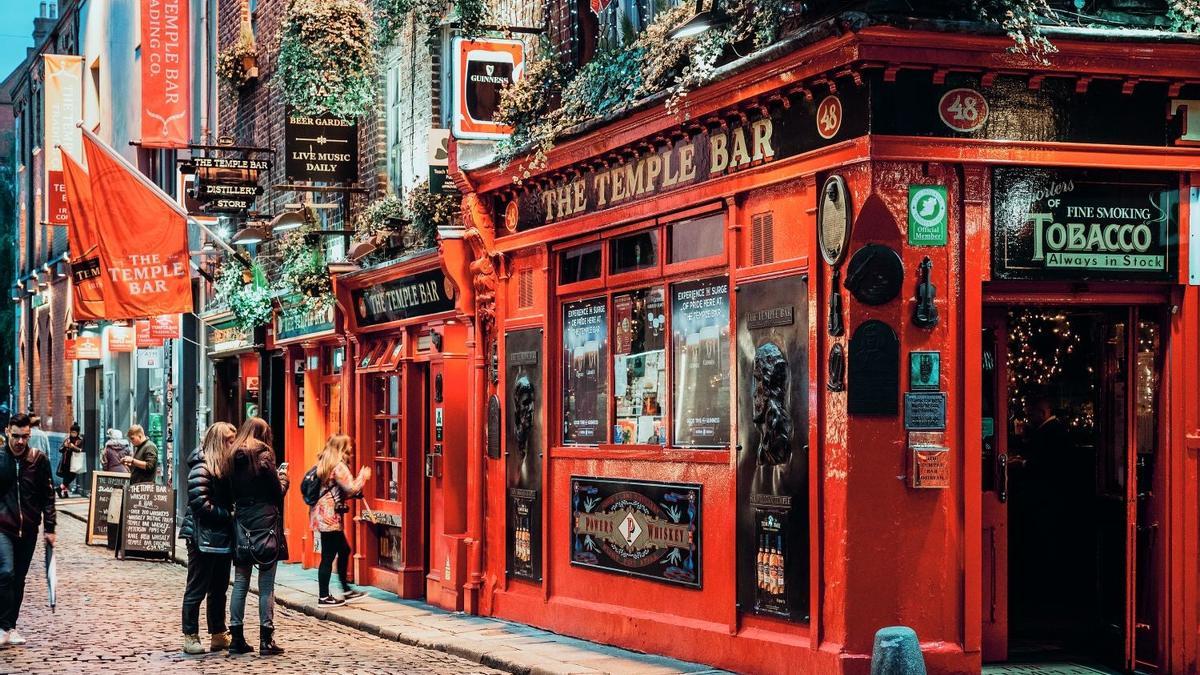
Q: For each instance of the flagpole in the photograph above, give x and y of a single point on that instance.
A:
(149, 184)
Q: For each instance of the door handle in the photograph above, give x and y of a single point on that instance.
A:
(1002, 469)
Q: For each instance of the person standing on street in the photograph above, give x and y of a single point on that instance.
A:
(337, 485)
(38, 440)
(208, 530)
(26, 503)
(71, 445)
(258, 489)
(115, 448)
(144, 460)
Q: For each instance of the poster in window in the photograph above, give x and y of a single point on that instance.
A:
(585, 372)
(523, 406)
(700, 343)
(639, 367)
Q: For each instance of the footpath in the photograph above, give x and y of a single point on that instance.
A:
(505, 645)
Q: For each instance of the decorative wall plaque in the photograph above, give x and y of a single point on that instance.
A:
(874, 370)
(837, 324)
(924, 371)
(525, 402)
(925, 411)
(637, 528)
(929, 466)
(874, 274)
(772, 463)
(833, 222)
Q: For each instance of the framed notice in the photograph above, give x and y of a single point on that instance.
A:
(482, 69)
(104, 484)
(638, 528)
(585, 372)
(321, 148)
(700, 342)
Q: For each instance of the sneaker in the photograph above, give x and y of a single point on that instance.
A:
(330, 601)
(351, 596)
(191, 644)
(15, 638)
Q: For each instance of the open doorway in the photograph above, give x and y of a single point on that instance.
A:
(1072, 431)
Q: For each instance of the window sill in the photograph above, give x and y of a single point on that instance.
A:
(642, 453)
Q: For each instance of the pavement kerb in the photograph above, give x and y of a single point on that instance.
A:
(502, 655)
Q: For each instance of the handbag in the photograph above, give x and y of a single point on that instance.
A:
(260, 547)
(78, 465)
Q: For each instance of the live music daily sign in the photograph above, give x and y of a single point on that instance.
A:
(321, 148)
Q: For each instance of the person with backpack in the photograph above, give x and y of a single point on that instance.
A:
(258, 489)
(325, 488)
(208, 531)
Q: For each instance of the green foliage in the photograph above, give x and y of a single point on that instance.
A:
(1184, 15)
(1022, 20)
(302, 270)
(251, 301)
(231, 66)
(381, 218)
(390, 15)
(428, 212)
(327, 58)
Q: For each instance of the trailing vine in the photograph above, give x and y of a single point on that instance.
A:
(470, 15)
(327, 57)
(302, 270)
(1022, 20)
(231, 62)
(1184, 15)
(428, 212)
(380, 219)
(250, 301)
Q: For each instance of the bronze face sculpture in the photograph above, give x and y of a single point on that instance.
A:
(770, 405)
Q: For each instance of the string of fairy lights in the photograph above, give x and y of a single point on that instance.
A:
(1040, 343)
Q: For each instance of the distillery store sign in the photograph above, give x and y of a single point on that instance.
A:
(321, 148)
(636, 527)
(415, 295)
(1082, 225)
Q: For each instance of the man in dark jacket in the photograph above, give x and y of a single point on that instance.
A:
(26, 503)
(144, 461)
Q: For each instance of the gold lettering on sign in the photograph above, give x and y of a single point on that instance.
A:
(761, 131)
(718, 152)
(687, 166)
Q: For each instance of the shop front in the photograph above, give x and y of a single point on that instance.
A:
(859, 346)
(235, 365)
(408, 363)
(313, 352)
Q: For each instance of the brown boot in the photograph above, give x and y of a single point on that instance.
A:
(219, 642)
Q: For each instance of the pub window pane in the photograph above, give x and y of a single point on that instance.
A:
(585, 372)
(390, 556)
(381, 438)
(393, 407)
(381, 488)
(696, 238)
(394, 445)
(381, 394)
(579, 264)
(633, 252)
(639, 366)
(339, 357)
(700, 348)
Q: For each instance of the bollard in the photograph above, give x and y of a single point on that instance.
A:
(897, 652)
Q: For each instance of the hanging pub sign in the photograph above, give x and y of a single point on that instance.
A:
(404, 298)
(228, 338)
(639, 528)
(165, 326)
(121, 339)
(1084, 225)
(585, 372)
(87, 347)
(321, 148)
(482, 69)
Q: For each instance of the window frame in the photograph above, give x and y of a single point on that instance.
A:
(608, 286)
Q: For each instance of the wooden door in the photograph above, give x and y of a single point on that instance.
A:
(994, 430)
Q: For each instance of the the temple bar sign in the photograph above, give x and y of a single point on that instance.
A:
(1084, 225)
(416, 295)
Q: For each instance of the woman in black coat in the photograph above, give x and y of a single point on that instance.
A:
(258, 489)
(208, 530)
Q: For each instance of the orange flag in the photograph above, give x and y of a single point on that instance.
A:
(86, 275)
(142, 235)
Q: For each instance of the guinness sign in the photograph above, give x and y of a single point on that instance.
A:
(482, 69)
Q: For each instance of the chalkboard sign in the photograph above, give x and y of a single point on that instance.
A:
(148, 519)
(103, 483)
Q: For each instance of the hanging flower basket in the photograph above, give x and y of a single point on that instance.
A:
(238, 64)
(251, 302)
(327, 58)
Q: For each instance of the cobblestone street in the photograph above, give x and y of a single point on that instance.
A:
(123, 617)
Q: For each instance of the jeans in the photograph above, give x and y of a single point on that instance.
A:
(15, 556)
(207, 577)
(333, 544)
(266, 595)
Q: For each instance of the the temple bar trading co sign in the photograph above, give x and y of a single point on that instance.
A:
(412, 296)
(321, 148)
(1084, 225)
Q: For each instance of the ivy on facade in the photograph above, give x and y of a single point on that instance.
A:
(409, 225)
(327, 58)
(470, 16)
(246, 292)
(302, 270)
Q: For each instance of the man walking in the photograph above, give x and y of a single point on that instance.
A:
(26, 502)
(38, 440)
(144, 461)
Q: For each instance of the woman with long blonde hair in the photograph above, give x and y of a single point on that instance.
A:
(337, 485)
(208, 530)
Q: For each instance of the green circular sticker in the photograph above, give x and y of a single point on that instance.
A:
(927, 207)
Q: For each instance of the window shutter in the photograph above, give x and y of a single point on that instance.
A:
(762, 238)
(525, 289)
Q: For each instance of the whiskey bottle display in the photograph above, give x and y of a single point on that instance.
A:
(761, 561)
(777, 568)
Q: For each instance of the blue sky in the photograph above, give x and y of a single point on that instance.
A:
(16, 32)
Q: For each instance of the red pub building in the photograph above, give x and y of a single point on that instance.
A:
(892, 327)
